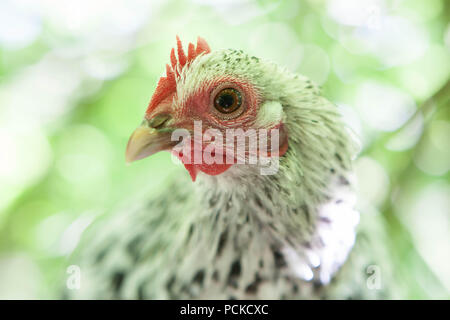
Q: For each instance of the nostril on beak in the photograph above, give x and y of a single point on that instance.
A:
(158, 121)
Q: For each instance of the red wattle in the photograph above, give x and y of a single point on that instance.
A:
(193, 168)
(209, 169)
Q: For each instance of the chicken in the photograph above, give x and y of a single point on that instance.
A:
(236, 231)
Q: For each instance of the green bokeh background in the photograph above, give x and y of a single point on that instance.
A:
(76, 76)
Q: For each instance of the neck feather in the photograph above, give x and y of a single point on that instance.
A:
(304, 213)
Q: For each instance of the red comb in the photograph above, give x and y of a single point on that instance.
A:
(167, 85)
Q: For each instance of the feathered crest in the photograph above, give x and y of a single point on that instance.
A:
(167, 85)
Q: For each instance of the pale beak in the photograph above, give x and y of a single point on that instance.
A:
(147, 140)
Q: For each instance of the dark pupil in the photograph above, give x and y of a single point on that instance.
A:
(225, 100)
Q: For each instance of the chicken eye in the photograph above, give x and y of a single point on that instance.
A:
(228, 100)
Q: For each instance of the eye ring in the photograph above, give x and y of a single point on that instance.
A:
(227, 101)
